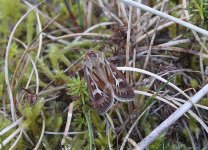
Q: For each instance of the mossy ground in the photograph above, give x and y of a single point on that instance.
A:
(57, 79)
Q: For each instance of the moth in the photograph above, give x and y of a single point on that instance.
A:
(105, 83)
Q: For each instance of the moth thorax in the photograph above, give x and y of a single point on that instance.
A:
(92, 56)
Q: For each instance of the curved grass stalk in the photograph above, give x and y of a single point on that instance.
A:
(165, 101)
(16, 141)
(6, 61)
(10, 137)
(94, 27)
(17, 122)
(174, 117)
(37, 57)
(36, 75)
(83, 34)
(132, 127)
(69, 118)
(164, 15)
(155, 76)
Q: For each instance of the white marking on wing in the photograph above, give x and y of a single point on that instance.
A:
(118, 81)
(97, 91)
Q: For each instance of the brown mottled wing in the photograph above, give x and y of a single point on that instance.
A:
(100, 93)
(121, 89)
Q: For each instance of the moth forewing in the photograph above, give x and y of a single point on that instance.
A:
(121, 89)
(101, 93)
(105, 82)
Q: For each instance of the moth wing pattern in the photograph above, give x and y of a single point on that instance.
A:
(121, 89)
(101, 94)
(105, 83)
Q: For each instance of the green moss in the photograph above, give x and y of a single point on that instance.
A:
(1, 83)
(77, 142)
(194, 83)
(31, 113)
(46, 70)
(178, 146)
(60, 78)
(85, 44)
(5, 123)
(9, 14)
(146, 127)
(204, 101)
(205, 61)
(179, 81)
(31, 22)
(56, 57)
(194, 62)
(173, 30)
(13, 52)
(199, 11)
(78, 87)
(100, 136)
(53, 123)
(97, 122)
(158, 143)
(193, 125)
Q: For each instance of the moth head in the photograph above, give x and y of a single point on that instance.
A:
(94, 58)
